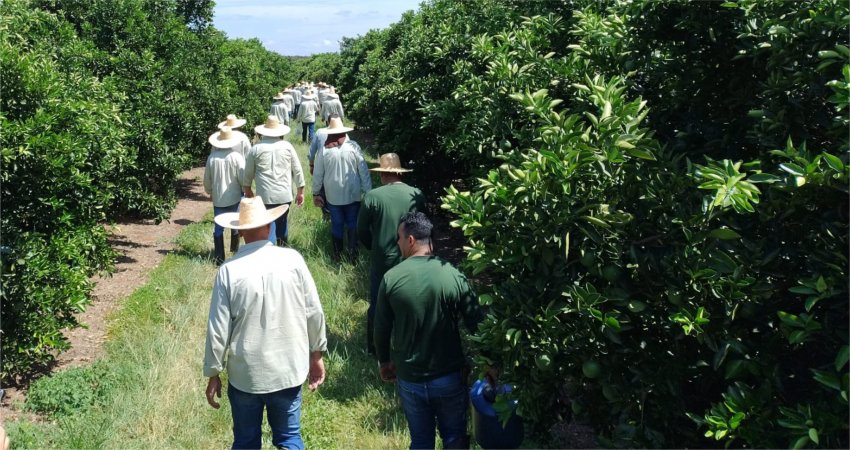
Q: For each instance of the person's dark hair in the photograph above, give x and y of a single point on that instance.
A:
(333, 116)
(416, 224)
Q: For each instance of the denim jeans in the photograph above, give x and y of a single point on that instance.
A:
(311, 126)
(218, 231)
(280, 226)
(343, 216)
(284, 412)
(442, 401)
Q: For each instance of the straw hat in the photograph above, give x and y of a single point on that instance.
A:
(232, 122)
(272, 127)
(252, 214)
(390, 163)
(309, 95)
(278, 96)
(335, 126)
(224, 138)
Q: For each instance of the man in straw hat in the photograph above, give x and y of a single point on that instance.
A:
(267, 328)
(234, 122)
(332, 105)
(296, 96)
(417, 336)
(307, 115)
(340, 176)
(377, 226)
(275, 166)
(223, 175)
(279, 108)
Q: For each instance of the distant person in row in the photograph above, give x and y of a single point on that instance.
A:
(332, 105)
(340, 177)
(266, 327)
(417, 338)
(289, 100)
(377, 227)
(234, 122)
(274, 165)
(279, 108)
(307, 115)
(223, 180)
(296, 96)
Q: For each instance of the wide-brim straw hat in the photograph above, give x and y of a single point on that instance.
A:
(278, 96)
(272, 127)
(309, 95)
(390, 162)
(232, 121)
(331, 95)
(224, 138)
(335, 126)
(252, 214)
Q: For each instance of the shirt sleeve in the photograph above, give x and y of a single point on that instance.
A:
(469, 308)
(364, 227)
(218, 327)
(316, 330)
(297, 170)
(248, 175)
(363, 171)
(384, 318)
(208, 177)
(239, 162)
(318, 171)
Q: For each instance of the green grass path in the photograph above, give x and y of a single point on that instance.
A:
(148, 391)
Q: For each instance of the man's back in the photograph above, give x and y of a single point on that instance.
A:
(266, 315)
(223, 175)
(307, 111)
(342, 172)
(420, 302)
(275, 166)
(377, 224)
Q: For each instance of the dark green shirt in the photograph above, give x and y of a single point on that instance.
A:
(420, 304)
(377, 223)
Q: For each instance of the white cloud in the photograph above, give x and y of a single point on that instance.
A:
(327, 42)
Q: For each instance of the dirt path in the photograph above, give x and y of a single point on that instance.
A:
(141, 246)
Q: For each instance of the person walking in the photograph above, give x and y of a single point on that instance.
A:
(296, 96)
(266, 328)
(279, 108)
(377, 227)
(274, 164)
(234, 122)
(332, 106)
(307, 115)
(417, 337)
(223, 175)
(340, 176)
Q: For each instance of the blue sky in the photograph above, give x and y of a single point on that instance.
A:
(306, 27)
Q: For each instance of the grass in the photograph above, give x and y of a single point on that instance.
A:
(148, 389)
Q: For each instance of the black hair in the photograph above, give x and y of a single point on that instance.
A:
(416, 224)
(333, 116)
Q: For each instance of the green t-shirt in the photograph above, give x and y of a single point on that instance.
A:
(377, 223)
(420, 304)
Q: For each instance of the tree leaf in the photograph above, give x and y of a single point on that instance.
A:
(842, 357)
(724, 233)
(793, 169)
(834, 162)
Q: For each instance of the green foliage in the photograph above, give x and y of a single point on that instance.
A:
(71, 391)
(103, 105)
(321, 67)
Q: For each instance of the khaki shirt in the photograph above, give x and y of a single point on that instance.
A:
(308, 110)
(223, 175)
(265, 319)
(342, 172)
(275, 166)
(280, 111)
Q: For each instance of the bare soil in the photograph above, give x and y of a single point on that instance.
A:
(141, 246)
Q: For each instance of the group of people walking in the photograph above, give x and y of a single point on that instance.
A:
(266, 325)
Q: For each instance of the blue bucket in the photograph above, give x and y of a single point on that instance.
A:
(486, 427)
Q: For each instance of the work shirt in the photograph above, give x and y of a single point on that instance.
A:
(296, 95)
(317, 144)
(274, 164)
(290, 102)
(420, 304)
(308, 110)
(280, 111)
(244, 143)
(332, 106)
(342, 172)
(265, 319)
(377, 222)
(223, 175)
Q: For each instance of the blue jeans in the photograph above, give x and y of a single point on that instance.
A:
(343, 216)
(311, 126)
(280, 226)
(218, 231)
(444, 399)
(284, 412)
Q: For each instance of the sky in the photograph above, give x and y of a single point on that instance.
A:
(301, 28)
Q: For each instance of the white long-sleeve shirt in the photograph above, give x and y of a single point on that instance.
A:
(223, 175)
(265, 319)
(342, 172)
(275, 166)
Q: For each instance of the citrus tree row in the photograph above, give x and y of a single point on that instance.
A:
(655, 200)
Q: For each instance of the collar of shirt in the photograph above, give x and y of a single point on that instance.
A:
(247, 248)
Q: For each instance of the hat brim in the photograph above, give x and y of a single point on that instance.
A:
(231, 219)
(239, 123)
(272, 132)
(308, 97)
(339, 130)
(383, 169)
(222, 143)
